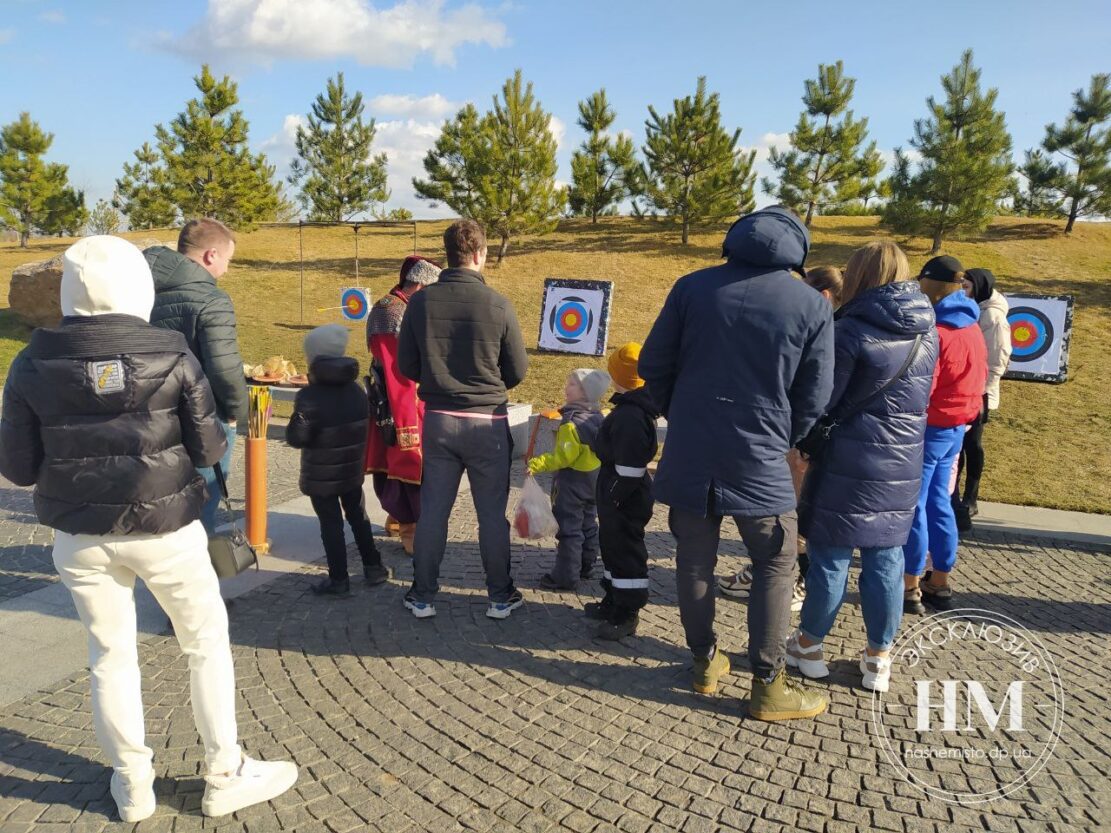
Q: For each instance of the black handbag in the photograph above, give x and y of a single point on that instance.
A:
(814, 444)
(231, 553)
(380, 404)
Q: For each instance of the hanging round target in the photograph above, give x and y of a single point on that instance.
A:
(570, 320)
(1031, 333)
(354, 304)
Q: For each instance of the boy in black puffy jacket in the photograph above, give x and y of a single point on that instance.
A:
(329, 425)
(625, 445)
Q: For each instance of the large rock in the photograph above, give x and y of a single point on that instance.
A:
(35, 293)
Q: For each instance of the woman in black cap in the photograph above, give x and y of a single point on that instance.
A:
(979, 285)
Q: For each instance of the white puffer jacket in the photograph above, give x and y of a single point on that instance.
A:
(997, 335)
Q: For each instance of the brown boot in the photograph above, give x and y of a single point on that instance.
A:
(393, 528)
(407, 533)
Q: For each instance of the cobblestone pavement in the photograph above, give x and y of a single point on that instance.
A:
(463, 723)
(25, 562)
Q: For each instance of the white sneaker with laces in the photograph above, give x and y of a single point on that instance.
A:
(253, 783)
(876, 671)
(134, 798)
(809, 661)
(737, 586)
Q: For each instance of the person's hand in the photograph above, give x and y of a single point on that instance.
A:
(533, 466)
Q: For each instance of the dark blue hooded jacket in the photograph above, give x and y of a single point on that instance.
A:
(863, 490)
(740, 361)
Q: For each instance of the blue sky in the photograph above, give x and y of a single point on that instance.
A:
(101, 75)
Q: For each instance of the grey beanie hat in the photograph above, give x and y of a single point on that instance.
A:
(594, 383)
(419, 270)
(329, 341)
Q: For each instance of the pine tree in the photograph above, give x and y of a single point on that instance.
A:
(826, 164)
(66, 214)
(34, 194)
(103, 219)
(143, 192)
(338, 177)
(209, 168)
(499, 168)
(1084, 179)
(602, 169)
(694, 172)
(966, 162)
(1041, 197)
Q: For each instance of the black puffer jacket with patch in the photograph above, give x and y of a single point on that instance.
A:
(188, 300)
(109, 419)
(329, 424)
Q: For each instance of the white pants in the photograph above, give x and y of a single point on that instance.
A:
(100, 572)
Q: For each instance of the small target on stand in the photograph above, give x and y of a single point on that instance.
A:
(1031, 333)
(571, 320)
(354, 304)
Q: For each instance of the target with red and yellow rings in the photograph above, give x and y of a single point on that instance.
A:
(1031, 333)
(354, 303)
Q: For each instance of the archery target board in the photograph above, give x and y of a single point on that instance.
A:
(574, 316)
(1041, 326)
(355, 303)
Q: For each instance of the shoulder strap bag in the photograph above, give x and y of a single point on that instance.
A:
(814, 444)
(230, 552)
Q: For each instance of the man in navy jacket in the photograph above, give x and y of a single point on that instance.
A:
(740, 361)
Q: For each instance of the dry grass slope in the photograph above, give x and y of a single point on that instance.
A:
(1048, 446)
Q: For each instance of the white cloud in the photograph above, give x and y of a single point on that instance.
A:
(56, 17)
(763, 148)
(6, 35)
(405, 142)
(270, 30)
(427, 107)
(281, 147)
(559, 130)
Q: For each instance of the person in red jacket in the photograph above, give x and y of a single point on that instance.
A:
(398, 467)
(955, 402)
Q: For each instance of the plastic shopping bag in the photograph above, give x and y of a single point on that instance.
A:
(533, 518)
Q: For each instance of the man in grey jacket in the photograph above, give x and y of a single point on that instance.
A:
(188, 300)
(460, 341)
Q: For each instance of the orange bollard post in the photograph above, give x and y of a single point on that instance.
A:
(256, 494)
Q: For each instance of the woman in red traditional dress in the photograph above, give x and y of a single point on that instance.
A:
(397, 468)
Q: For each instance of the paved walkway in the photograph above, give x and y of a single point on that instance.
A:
(463, 723)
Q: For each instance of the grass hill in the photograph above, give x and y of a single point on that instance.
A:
(1047, 447)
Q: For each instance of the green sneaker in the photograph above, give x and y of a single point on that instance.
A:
(783, 699)
(708, 671)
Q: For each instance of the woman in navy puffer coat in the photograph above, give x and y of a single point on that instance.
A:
(862, 491)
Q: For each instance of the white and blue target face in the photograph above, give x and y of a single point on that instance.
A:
(571, 319)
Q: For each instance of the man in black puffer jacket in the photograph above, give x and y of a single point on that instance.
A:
(109, 418)
(188, 300)
(329, 424)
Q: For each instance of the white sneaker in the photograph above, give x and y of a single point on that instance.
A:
(253, 783)
(134, 799)
(809, 661)
(737, 586)
(876, 671)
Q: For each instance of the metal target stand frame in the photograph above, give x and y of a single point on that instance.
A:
(355, 225)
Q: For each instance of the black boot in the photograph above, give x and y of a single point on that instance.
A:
(328, 587)
(375, 573)
(599, 610)
(619, 627)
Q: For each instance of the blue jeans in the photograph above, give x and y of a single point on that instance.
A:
(935, 526)
(208, 512)
(881, 591)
